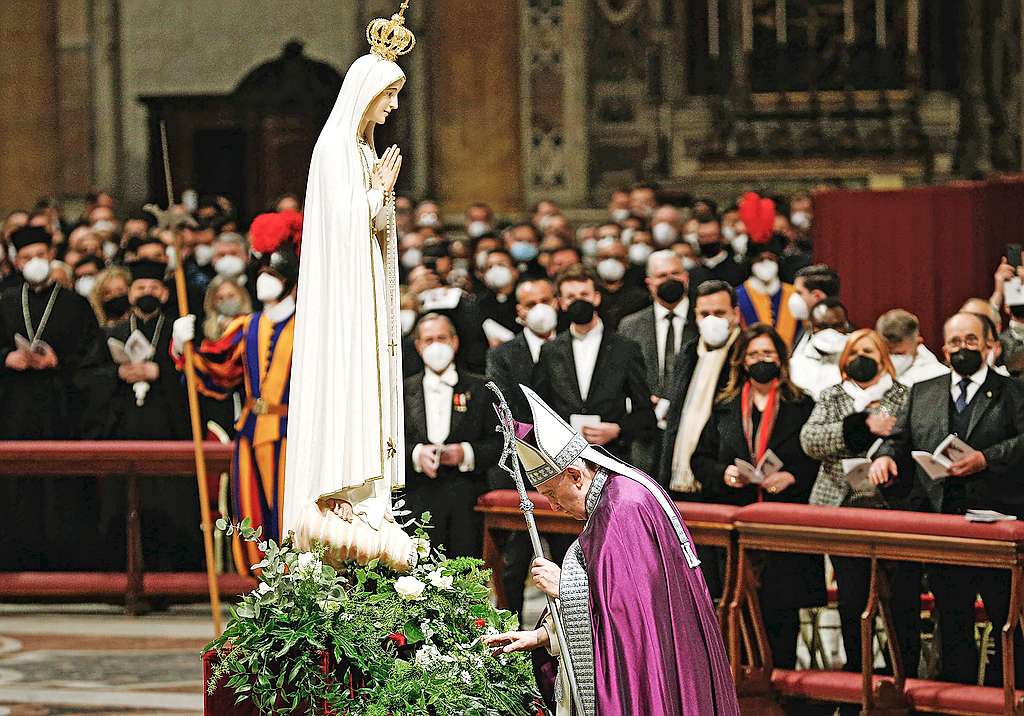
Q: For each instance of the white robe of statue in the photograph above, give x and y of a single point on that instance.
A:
(345, 428)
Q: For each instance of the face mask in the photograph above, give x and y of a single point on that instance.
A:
(412, 258)
(689, 263)
(664, 234)
(429, 219)
(710, 251)
(671, 291)
(639, 253)
(740, 244)
(862, 369)
(619, 215)
(800, 219)
(104, 225)
(544, 222)
(901, 362)
(523, 251)
(408, 318)
(498, 278)
(481, 261)
(85, 285)
(589, 248)
(203, 254)
(229, 266)
(110, 250)
(607, 242)
(172, 258)
(829, 341)
(798, 307)
(541, 319)
(966, 361)
(714, 330)
(476, 229)
(269, 288)
(438, 356)
(36, 271)
(764, 371)
(190, 198)
(692, 239)
(148, 304)
(611, 270)
(117, 306)
(229, 307)
(765, 271)
(580, 312)
(627, 235)
(728, 233)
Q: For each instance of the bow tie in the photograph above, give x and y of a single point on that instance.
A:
(433, 381)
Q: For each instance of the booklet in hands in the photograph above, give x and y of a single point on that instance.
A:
(769, 465)
(857, 469)
(936, 464)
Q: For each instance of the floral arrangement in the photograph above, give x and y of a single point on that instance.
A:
(403, 644)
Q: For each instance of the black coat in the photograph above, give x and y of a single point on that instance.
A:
(616, 306)
(503, 312)
(792, 580)
(509, 366)
(996, 428)
(732, 272)
(619, 374)
(472, 354)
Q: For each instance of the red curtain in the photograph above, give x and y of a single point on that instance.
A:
(925, 250)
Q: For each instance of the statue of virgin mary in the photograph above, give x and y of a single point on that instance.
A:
(344, 448)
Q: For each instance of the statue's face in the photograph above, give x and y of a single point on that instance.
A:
(383, 104)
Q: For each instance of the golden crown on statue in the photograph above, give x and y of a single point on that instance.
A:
(390, 39)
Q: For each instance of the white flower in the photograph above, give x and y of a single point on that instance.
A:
(409, 587)
(264, 588)
(422, 547)
(427, 655)
(466, 677)
(307, 565)
(439, 581)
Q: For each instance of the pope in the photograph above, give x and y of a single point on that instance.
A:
(640, 627)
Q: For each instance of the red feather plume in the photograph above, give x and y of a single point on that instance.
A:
(269, 231)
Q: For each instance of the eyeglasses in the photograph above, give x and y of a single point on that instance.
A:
(762, 355)
(969, 341)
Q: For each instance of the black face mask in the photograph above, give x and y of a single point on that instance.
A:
(117, 306)
(580, 312)
(862, 369)
(148, 304)
(671, 291)
(764, 372)
(709, 251)
(965, 361)
(1017, 312)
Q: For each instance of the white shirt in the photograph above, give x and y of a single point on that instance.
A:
(438, 392)
(584, 354)
(977, 379)
(534, 343)
(661, 328)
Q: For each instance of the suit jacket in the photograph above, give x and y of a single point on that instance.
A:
(682, 374)
(996, 428)
(468, 322)
(509, 366)
(616, 306)
(640, 327)
(475, 425)
(619, 373)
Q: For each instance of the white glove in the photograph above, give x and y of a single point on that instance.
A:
(183, 331)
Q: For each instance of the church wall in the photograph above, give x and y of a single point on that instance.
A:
(201, 47)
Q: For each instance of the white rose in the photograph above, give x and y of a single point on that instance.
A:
(306, 560)
(422, 547)
(439, 581)
(409, 587)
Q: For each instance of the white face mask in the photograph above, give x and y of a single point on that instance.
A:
(85, 285)
(429, 219)
(728, 233)
(740, 243)
(541, 319)
(901, 362)
(765, 271)
(611, 270)
(829, 342)
(109, 250)
(627, 235)
(408, 318)
(689, 263)
(639, 253)
(498, 277)
(800, 219)
(438, 356)
(664, 234)
(412, 258)
(203, 254)
(619, 215)
(692, 239)
(172, 258)
(476, 229)
(104, 225)
(268, 288)
(589, 248)
(229, 266)
(36, 271)
(798, 307)
(714, 330)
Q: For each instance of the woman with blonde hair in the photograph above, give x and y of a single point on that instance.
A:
(224, 302)
(849, 419)
(109, 297)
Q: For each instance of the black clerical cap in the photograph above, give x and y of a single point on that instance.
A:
(28, 235)
(145, 268)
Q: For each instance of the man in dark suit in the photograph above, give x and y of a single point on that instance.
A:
(718, 262)
(589, 374)
(510, 365)
(985, 410)
(450, 440)
(661, 330)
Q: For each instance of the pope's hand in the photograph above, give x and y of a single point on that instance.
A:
(183, 331)
(17, 360)
(546, 575)
(43, 361)
(517, 641)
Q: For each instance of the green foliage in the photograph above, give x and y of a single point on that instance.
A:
(414, 651)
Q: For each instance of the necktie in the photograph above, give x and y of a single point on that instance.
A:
(669, 356)
(961, 400)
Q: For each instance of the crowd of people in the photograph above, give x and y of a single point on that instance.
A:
(724, 365)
